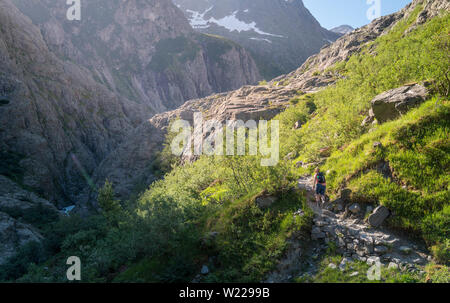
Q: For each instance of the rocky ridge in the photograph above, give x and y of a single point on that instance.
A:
(314, 74)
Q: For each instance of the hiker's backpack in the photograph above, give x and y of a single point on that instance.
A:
(320, 178)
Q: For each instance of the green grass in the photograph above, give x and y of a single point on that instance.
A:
(416, 148)
(251, 241)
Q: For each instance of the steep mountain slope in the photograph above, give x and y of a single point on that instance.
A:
(134, 157)
(280, 34)
(143, 50)
(56, 124)
(54, 115)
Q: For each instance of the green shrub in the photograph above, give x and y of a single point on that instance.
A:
(441, 252)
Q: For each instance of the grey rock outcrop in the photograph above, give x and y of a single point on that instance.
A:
(12, 196)
(378, 216)
(59, 122)
(393, 103)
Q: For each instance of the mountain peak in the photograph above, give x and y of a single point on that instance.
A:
(280, 34)
(342, 29)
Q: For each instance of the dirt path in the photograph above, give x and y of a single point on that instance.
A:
(354, 239)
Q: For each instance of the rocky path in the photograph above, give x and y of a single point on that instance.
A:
(354, 240)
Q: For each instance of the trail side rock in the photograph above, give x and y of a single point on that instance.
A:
(378, 216)
(355, 208)
(393, 103)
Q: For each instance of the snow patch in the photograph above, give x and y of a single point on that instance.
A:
(231, 22)
(197, 20)
(261, 39)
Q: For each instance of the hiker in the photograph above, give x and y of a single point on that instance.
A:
(320, 186)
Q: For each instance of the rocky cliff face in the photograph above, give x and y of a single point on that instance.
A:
(281, 34)
(143, 50)
(56, 121)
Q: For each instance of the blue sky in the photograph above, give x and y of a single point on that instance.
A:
(332, 13)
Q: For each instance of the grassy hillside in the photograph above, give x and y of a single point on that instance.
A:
(170, 230)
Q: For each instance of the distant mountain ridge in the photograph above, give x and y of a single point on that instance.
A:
(280, 34)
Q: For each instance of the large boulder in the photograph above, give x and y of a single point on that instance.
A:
(393, 103)
(355, 208)
(378, 216)
(12, 196)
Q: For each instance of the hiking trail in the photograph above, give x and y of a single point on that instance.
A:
(354, 239)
